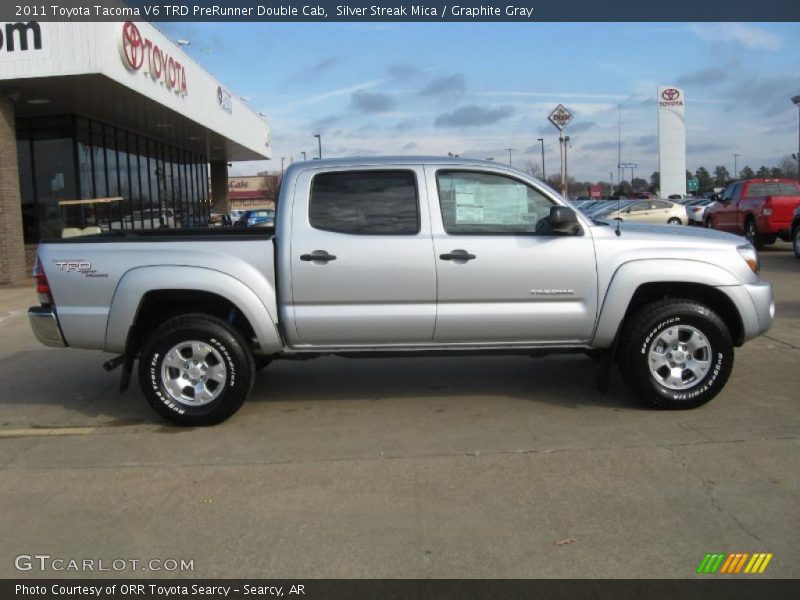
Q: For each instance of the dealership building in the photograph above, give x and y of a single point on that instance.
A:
(110, 126)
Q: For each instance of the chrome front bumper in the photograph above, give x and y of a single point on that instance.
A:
(45, 326)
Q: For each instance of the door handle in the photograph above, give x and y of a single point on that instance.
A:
(457, 255)
(317, 255)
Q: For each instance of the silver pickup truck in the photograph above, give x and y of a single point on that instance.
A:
(401, 256)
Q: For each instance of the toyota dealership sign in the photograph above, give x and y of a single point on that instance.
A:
(138, 51)
(671, 140)
(670, 97)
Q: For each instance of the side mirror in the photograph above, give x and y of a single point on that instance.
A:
(562, 219)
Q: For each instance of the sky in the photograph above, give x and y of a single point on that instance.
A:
(475, 89)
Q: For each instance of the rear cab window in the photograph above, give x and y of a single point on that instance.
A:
(379, 202)
(773, 188)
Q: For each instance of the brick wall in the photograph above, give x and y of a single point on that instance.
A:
(13, 268)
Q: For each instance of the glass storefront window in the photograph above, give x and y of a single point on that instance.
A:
(30, 224)
(73, 157)
(54, 173)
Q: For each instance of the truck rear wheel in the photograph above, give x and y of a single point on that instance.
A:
(752, 235)
(796, 241)
(196, 370)
(676, 354)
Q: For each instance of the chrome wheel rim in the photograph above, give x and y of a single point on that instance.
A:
(193, 373)
(679, 357)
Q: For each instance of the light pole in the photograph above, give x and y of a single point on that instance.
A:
(736, 165)
(283, 159)
(541, 141)
(319, 140)
(304, 154)
(611, 177)
(566, 176)
(796, 100)
(509, 155)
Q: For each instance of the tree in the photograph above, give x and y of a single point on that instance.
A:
(747, 173)
(762, 172)
(776, 172)
(788, 166)
(638, 184)
(623, 189)
(721, 176)
(655, 182)
(532, 168)
(704, 181)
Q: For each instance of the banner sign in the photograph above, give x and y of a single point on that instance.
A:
(415, 10)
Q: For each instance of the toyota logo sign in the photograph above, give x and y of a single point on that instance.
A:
(136, 50)
(670, 94)
(132, 46)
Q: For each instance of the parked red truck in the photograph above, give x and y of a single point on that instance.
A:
(759, 209)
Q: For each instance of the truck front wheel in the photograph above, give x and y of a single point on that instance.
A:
(196, 370)
(676, 353)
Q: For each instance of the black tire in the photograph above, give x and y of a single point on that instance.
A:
(752, 235)
(229, 346)
(674, 221)
(641, 333)
(796, 241)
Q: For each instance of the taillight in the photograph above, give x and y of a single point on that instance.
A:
(767, 209)
(42, 286)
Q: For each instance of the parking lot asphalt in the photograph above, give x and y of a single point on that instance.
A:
(498, 467)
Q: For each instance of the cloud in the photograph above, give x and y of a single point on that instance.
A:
(371, 102)
(708, 76)
(410, 146)
(338, 92)
(701, 147)
(604, 145)
(403, 71)
(405, 125)
(451, 86)
(748, 36)
(646, 140)
(324, 65)
(324, 124)
(473, 116)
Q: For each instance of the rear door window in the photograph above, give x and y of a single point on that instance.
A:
(365, 202)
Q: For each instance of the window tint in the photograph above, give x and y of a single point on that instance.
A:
(640, 206)
(365, 202)
(486, 203)
(661, 205)
(773, 188)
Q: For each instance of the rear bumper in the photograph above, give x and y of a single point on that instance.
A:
(44, 324)
(773, 226)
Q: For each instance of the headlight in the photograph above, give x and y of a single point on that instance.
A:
(750, 256)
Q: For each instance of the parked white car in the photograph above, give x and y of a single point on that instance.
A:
(696, 211)
(650, 211)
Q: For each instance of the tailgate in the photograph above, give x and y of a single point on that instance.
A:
(783, 207)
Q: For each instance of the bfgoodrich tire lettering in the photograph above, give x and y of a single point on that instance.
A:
(664, 319)
(221, 341)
